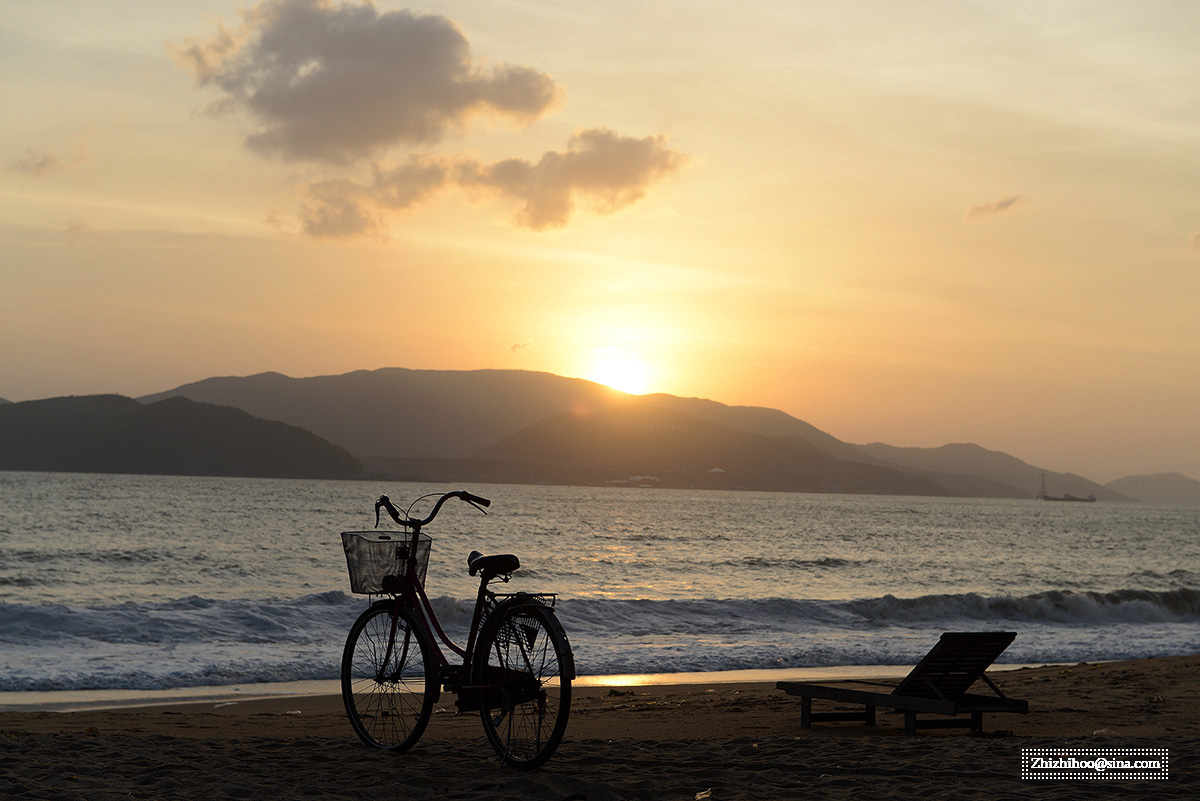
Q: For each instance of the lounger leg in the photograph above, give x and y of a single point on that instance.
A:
(806, 712)
(870, 716)
(910, 722)
(976, 723)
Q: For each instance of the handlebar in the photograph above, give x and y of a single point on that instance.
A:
(478, 501)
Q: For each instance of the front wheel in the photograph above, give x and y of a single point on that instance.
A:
(389, 678)
(523, 667)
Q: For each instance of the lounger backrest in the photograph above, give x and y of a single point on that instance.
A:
(955, 663)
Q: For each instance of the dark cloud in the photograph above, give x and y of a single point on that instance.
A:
(1000, 206)
(340, 208)
(346, 83)
(344, 208)
(336, 83)
(599, 168)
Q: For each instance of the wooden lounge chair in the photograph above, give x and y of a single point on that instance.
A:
(936, 686)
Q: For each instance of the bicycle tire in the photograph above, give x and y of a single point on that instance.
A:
(389, 705)
(524, 660)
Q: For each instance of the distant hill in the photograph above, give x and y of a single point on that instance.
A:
(410, 413)
(959, 465)
(643, 443)
(114, 434)
(1163, 488)
(760, 420)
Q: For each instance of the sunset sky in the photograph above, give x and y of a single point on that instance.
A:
(915, 223)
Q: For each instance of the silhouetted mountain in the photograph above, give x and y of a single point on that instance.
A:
(445, 425)
(642, 443)
(3, 401)
(442, 424)
(114, 434)
(1164, 488)
(410, 413)
(760, 420)
(968, 469)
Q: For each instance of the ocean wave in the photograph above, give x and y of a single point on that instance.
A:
(1178, 577)
(197, 641)
(761, 562)
(318, 616)
(1055, 606)
(1059, 607)
(110, 556)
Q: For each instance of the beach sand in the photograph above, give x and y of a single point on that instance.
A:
(732, 741)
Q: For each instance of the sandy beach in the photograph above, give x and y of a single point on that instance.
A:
(731, 741)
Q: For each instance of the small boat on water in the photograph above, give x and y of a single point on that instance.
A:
(1045, 496)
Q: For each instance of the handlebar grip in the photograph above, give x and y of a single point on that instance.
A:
(392, 511)
(476, 499)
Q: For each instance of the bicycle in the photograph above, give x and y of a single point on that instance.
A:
(516, 668)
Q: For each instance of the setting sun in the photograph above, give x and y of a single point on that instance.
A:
(620, 370)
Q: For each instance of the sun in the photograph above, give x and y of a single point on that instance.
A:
(620, 370)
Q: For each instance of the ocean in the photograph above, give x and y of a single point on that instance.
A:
(150, 583)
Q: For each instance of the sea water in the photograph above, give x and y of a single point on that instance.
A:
(151, 582)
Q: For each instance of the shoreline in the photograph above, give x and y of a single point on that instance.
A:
(639, 742)
(121, 699)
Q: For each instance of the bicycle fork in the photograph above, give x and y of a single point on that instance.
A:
(383, 677)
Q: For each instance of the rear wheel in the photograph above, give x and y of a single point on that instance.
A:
(524, 663)
(389, 681)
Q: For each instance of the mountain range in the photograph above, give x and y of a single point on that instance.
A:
(505, 426)
(521, 426)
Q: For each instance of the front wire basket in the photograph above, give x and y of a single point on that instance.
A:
(372, 555)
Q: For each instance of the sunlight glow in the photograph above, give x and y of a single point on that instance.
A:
(621, 370)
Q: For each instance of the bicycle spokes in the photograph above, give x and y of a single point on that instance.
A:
(388, 679)
(527, 699)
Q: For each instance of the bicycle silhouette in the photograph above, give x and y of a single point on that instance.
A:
(516, 668)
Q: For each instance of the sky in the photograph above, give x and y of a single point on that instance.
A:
(914, 223)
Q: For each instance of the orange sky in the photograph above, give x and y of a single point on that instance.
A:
(915, 223)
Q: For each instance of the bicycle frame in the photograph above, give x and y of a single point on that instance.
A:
(412, 595)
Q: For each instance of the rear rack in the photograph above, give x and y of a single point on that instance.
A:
(545, 598)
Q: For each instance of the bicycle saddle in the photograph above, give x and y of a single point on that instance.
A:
(495, 565)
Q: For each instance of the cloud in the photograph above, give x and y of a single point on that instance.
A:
(343, 208)
(37, 163)
(517, 347)
(1000, 206)
(1194, 242)
(600, 168)
(336, 83)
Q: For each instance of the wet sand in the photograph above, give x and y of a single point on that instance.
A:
(733, 741)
